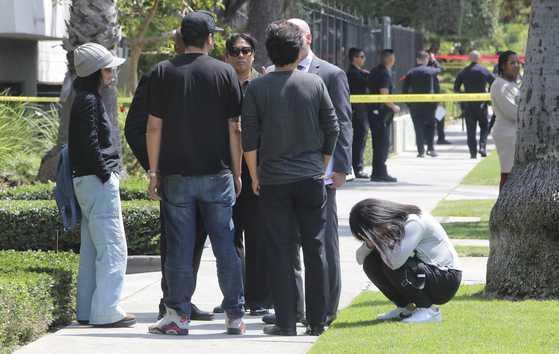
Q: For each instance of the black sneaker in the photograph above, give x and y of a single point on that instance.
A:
(432, 153)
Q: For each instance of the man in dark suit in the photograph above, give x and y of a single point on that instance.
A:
(421, 80)
(335, 80)
(357, 79)
(380, 83)
(135, 132)
(475, 79)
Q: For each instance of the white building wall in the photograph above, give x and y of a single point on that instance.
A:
(52, 65)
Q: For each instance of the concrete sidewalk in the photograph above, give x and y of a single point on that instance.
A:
(421, 181)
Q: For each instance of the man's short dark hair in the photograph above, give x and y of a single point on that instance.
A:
(423, 56)
(90, 82)
(386, 56)
(353, 53)
(233, 38)
(191, 38)
(284, 41)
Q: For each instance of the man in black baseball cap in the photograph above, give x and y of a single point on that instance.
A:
(194, 147)
(200, 21)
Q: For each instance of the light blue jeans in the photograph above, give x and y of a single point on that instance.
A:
(103, 251)
(215, 196)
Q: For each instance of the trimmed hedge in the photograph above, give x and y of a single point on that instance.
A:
(33, 225)
(37, 289)
(131, 189)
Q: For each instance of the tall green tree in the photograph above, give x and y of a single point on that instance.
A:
(524, 221)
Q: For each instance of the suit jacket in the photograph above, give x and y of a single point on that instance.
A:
(136, 124)
(336, 82)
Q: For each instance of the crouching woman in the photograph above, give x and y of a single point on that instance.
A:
(408, 257)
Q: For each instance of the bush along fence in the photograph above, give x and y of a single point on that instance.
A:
(37, 290)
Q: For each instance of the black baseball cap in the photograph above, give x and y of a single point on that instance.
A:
(200, 21)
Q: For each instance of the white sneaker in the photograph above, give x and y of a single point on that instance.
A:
(398, 312)
(172, 323)
(425, 315)
(234, 325)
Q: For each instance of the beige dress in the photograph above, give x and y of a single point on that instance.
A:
(504, 99)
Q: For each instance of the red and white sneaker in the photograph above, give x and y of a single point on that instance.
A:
(172, 323)
(234, 325)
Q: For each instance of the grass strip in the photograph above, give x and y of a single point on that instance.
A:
(470, 324)
(472, 251)
(467, 207)
(486, 173)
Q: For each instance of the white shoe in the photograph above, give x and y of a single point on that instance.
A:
(172, 323)
(398, 312)
(425, 315)
(234, 325)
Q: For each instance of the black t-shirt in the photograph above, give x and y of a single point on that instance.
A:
(194, 95)
(379, 78)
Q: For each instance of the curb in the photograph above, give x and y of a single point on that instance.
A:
(143, 264)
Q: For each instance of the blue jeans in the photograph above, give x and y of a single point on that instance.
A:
(215, 196)
(103, 251)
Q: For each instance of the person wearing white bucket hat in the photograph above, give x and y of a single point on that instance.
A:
(94, 160)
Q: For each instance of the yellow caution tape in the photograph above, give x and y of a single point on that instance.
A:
(50, 99)
(446, 97)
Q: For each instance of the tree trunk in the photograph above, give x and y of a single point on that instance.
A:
(260, 14)
(90, 21)
(229, 10)
(524, 222)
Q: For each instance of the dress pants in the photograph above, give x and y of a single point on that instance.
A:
(360, 132)
(332, 248)
(247, 221)
(279, 205)
(440, 130)
(381, 139)
(440, 285)
(201, 236)
(423, 117)
(476, 113)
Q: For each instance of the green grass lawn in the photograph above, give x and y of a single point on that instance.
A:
(486, 173)
(469, 230)
(470, 325)
(472, 251)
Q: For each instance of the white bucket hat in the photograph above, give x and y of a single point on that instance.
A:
(90, 57)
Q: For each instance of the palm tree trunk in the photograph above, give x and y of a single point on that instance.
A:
(524, 222)
(90, 21)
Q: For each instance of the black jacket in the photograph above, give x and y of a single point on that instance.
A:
(136, 123)
(91, 141)
(420, 79)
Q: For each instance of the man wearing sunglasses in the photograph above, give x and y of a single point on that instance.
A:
(239, 52)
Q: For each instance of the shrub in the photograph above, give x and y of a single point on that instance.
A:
(130, 189)
(37, 289)
(34, 225)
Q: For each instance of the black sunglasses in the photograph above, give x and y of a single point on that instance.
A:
(235, 51)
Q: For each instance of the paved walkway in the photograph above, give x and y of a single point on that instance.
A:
(421, 181)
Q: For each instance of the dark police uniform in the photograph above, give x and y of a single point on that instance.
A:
(475, 79)
(357, 86)
(379, 78)
(421, 80)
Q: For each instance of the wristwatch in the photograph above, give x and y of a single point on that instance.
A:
(152, 174)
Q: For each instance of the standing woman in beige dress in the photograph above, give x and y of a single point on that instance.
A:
(504, 99)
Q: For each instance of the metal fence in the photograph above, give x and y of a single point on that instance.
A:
(335, 30)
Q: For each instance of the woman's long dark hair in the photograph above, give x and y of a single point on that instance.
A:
(89, 83)
(370, 214)
(503, 58)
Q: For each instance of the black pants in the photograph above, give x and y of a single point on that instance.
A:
(423, 117)
(380, 139)
(360, 132)
(440, 130)
(279, 205)
(247, 221)
(476, 113)
(201, 235)
(332, 249)
(440, 286)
